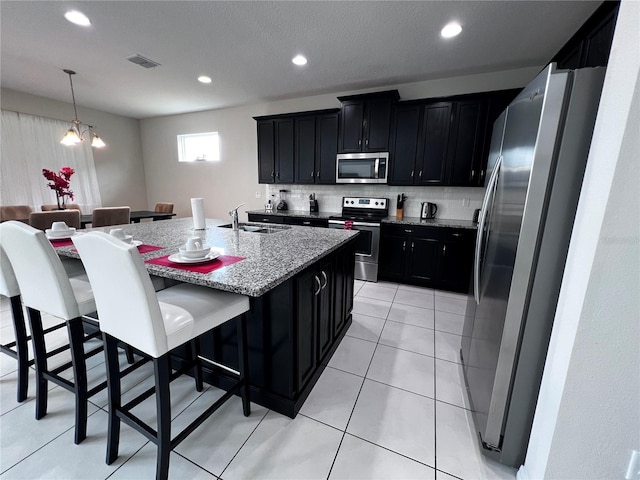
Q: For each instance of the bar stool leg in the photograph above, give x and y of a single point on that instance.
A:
(76, 343)
(194, 346)
(22, 352)
(243, 360)
(114, 392)
(40, 361)
(162, 371)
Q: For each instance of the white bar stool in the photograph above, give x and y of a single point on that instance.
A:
(155, 323)
(46, 287)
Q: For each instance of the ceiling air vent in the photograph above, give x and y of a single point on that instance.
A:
(142, 61)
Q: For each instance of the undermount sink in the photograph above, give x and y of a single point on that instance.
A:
(257, 228)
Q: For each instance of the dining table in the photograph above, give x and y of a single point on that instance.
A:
(135, 216)
(300, 282)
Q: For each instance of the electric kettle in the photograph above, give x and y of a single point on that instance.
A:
(428, 210)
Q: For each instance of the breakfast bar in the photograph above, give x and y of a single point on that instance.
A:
(299, 279)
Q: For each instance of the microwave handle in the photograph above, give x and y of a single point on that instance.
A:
(376, 168)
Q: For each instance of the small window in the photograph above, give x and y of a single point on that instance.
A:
(199, 147)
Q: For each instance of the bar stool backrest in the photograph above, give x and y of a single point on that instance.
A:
(52, 206)
(8, 283)
(125, 298)
(43, 281)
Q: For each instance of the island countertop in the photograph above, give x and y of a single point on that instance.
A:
(269, 259)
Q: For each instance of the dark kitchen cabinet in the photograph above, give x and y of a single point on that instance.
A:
(444, 142)
(365, 121)
(316, 148)
(265, 218)
(591, 44)
(289, 220)
(435, 257)
(275, 150)
(431, 166)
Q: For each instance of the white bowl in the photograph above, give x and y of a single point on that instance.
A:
(191, 254)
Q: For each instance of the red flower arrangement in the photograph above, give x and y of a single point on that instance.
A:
(60, 184)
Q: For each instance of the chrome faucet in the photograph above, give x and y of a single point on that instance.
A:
(234, 217)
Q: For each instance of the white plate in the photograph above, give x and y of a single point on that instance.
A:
(176, 258)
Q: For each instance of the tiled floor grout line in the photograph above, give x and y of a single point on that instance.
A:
(435, 396)
(243, 444)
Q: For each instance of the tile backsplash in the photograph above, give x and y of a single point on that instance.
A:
(455, 203)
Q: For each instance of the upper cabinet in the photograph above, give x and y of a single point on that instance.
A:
(298, 148)
(365, 122)
(590, 45)
(444, 142)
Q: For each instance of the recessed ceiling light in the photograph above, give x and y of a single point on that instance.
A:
(299, 60)
(79, 18)
(204, 79)
(451, 30)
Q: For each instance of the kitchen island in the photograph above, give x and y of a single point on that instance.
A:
(300, 281)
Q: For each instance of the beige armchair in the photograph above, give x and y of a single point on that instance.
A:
(43, 220)
(15, 212)
(106, 216)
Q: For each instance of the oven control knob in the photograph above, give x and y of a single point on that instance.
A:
(382, 203)
(376, 203)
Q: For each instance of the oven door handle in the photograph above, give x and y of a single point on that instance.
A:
(355, 224)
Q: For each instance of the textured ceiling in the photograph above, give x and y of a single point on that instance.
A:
(246, 47)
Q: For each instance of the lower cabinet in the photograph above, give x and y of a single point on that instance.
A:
(265, 218)
(289, 220)
(292, 332)
(435, 257)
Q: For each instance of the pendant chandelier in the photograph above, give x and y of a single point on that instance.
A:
(77, 131)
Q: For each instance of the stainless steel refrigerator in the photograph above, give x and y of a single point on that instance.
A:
(538, 154)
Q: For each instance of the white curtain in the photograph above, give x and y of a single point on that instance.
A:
(31, 143)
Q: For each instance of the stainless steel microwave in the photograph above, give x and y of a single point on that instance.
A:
(362, 167)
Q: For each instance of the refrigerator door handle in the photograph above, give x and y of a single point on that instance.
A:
(481, 221)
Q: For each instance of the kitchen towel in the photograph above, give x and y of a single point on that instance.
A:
(197, 210)
(208, 267)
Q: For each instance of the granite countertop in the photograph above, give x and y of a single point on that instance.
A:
(270, 259)
(434, 222)
(294, 213)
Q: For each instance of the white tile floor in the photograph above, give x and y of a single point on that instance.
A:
(390, 405)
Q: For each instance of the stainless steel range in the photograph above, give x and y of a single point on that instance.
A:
(365, 215)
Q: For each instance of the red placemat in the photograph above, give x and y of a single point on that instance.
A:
(208, 267)
(64, 242)
(144, 248)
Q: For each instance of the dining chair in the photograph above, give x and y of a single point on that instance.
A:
(156, 323)
(15, 212)
(43, 220)
(163, 207)
(45, 287)
(53, 206)
(106, 216)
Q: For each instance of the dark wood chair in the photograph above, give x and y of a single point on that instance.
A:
(43, 220)
(106, 216)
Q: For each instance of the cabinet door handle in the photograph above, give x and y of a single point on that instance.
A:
(411, 173)
(318, 174)
(273, 174)
(306, 223)
(324, 276)
(408, 230)
(412, 245)
(265, 220)
(473, 174)
(360, 142)
(444, 249)
(319, 287)
(404, 245)
(278, 175)
(481, 175)
(312, 174)
(420, 174)
(366, 142)
(456, 234)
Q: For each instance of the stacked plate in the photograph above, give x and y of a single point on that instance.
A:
(59, 234)
(194, 256)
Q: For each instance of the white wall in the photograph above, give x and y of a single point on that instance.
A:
(587, 420)
(119, 166)
(234, 179)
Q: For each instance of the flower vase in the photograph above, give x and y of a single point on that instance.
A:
(61, 202)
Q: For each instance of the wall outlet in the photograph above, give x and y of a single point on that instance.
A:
(466, 202)
(258, 194)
